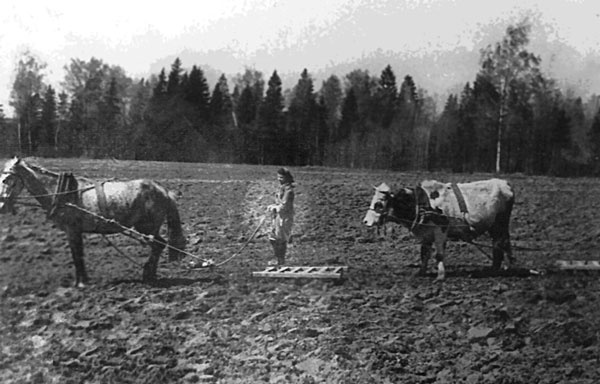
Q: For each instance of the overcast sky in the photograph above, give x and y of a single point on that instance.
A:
(284, 35)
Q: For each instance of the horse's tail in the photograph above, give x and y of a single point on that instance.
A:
(177, 239)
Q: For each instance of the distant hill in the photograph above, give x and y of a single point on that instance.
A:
(439, 72)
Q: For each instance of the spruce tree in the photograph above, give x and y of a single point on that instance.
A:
(271, 132)
(220, 105)
(246, 111)
(197, 93)
(594, 140)
(332, 97)
(174, 80)
(160, 88)
(441, 144)
(113, 137)
(302, 120)
(385, 98)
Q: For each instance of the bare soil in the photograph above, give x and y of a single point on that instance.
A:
(380, 324)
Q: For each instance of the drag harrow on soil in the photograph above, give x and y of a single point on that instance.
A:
(319, 272)
(586, 265)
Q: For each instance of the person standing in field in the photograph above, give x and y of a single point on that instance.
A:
(282, 215)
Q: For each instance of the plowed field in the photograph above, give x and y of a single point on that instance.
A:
(381, 324)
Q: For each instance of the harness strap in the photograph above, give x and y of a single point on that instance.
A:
(460, 198)
(66, 188)
(102, 206)
(57, 193)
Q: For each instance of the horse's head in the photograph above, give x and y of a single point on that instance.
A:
(385, 206)
(379, 206)
(11, 184)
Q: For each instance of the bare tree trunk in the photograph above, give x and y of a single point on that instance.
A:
(500, 125)
(499, 141)
(19, 136)
(56, 137)
(29, 133)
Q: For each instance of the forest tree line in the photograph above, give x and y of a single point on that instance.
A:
(510, 118)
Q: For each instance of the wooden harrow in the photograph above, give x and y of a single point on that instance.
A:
(578, 265)
(318, 272)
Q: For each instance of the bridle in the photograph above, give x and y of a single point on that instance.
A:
(9, 198)
(381, 208)
(13, 173)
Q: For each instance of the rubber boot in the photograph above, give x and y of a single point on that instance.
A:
(275, 260)
(280, 253)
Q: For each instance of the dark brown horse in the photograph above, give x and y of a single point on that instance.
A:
(79, 205)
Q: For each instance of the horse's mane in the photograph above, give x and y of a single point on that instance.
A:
(38, 168)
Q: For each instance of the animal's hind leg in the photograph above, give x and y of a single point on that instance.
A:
(497, 254)
(501, 237)
(156, 247)
(425, 254)
(508, 250)
(76, 245)
(501, 245)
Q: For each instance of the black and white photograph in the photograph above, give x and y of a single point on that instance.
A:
(300, 191)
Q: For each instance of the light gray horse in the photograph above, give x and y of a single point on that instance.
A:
(435, 212)
(84, 206)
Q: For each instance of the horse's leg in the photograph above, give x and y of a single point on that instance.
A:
(425, 253)
(177, 239)
(156, 247)
(508, 250)
(76, 244)
(501, 237)
(439, 257)
(501, 244)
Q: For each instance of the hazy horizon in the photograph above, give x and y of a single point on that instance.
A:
(437, 42)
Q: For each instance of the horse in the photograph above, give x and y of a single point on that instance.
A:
(79, 205)
(436, 212)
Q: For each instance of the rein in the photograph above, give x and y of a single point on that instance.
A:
(130, 232)
(56, 193)
(411, 224)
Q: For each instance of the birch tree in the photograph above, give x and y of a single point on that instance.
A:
(504, 64)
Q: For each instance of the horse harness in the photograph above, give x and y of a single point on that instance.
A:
(460, 199)
(425, 213)
(68, 192)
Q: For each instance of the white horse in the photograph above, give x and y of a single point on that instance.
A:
(435, 212)
(79, 205)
